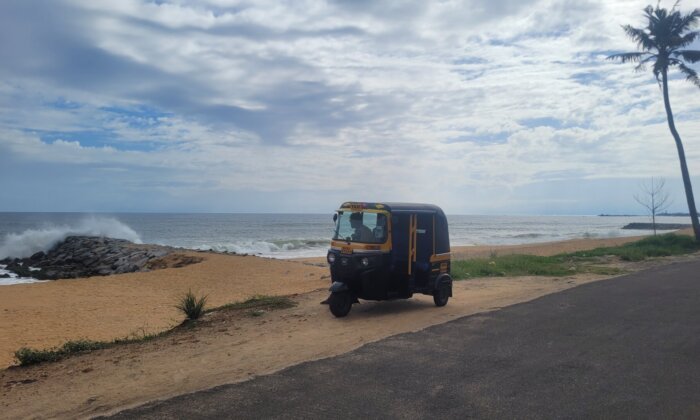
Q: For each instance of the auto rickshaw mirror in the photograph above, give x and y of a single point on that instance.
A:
(335, 217)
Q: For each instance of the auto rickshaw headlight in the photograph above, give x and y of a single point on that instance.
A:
(365, 261)
(331, 258)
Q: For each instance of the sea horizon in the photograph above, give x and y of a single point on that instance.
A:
(288, 235)
(673, 214)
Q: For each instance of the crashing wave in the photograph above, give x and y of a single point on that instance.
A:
(291, 248)
(31, 241)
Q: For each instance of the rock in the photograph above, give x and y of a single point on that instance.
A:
(84, 256)
(20, 269)
(659, 226)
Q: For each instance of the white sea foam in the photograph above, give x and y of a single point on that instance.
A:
(279, 249)
(22, 245)
(8, 277)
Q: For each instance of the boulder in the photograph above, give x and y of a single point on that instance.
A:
(85, 256)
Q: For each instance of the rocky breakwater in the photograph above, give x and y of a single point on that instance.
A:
(86, 256)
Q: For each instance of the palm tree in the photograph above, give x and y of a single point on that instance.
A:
(662, 43)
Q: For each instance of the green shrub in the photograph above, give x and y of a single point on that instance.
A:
(191, 306)
(26, 356)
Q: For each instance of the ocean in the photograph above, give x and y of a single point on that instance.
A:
(281, 235)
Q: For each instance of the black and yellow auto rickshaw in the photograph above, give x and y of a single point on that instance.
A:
(383, 251)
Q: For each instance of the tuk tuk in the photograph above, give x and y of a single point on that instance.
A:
(383, 251)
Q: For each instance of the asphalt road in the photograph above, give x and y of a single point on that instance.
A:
(622, 348)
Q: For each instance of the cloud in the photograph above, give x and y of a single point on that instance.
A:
(229, 101)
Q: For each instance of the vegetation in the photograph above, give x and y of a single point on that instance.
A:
(260, 302)
(573, 263)
(27, 356)
(191, 306)
(510, 265)
(256, 305)
(662, 44)
(653, 246)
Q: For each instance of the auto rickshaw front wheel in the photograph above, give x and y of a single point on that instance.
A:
(340, 303)
(442, 294)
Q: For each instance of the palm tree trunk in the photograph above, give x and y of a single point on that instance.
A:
(653, 205)
(681, 156)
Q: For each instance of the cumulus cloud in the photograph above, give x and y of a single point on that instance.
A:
(243, 106)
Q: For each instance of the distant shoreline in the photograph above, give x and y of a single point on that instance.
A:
(645, 215)
(657, 226)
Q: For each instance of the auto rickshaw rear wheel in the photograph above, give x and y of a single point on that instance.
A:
(340, 303)
(441, 294)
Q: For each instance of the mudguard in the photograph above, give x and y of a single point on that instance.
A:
(443, 278)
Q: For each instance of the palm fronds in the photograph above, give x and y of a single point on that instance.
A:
(691, 75)
(661, 41)
(692, 56)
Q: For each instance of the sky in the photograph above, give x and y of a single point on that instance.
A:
(481, 107)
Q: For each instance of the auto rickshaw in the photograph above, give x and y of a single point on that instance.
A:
(384, 251)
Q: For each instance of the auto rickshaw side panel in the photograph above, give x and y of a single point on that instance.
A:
(421, 248)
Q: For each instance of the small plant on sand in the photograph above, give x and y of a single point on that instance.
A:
(191, 306)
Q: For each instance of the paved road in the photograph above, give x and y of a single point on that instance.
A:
(622, 348)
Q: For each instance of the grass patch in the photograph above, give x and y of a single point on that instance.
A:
(256, 305)
(27, 356)
(511, 265)
(576, 262)
(259, 302)
(603, 270)
(652, 246)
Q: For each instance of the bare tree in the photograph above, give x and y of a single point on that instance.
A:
(655, 198)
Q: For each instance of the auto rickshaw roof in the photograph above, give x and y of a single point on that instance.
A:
(393, 207)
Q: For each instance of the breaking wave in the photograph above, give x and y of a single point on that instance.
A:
(530, 235)
(279, 249)
(22, 245)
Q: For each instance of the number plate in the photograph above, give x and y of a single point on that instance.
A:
(346, 250)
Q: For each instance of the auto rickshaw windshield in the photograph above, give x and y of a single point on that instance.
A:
(365, 227)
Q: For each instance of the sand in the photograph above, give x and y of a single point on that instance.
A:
(229, 346)
(43, 315)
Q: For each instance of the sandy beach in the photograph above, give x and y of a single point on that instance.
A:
(229, 347)
(48, 314)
